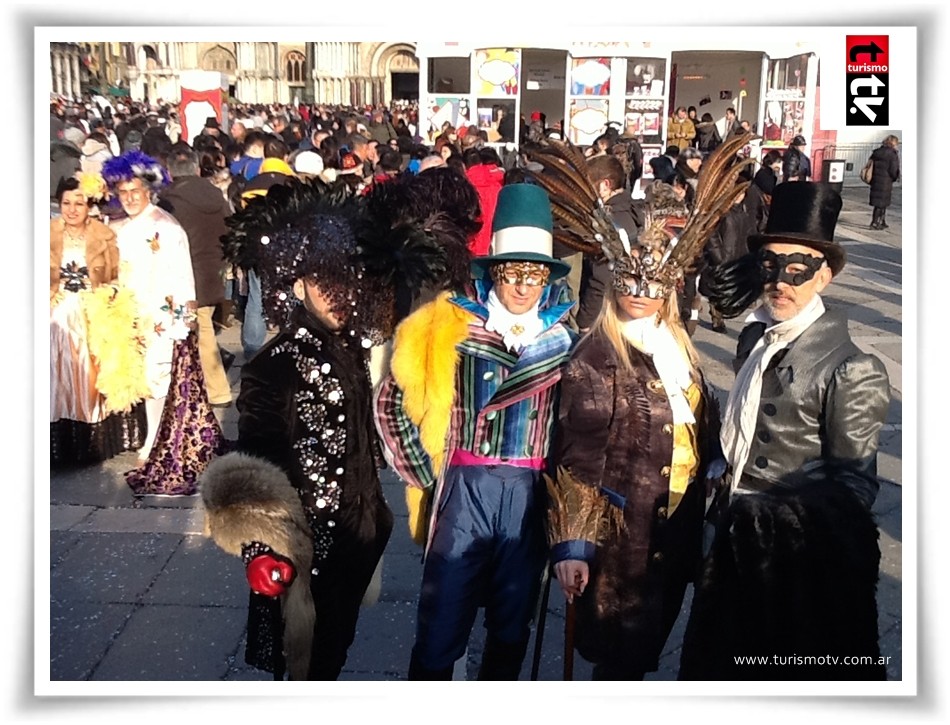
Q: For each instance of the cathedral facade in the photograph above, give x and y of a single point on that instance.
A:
(256, 72)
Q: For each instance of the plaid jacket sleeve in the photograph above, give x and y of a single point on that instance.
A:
(402, 446)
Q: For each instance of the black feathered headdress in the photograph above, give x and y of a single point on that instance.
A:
(416, 234)
(366, 258)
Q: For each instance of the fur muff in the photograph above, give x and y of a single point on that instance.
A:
(791, 579)
(249, 499)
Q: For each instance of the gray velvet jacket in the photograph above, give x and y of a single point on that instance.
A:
(822, 407)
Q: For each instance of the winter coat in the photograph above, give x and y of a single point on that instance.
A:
(887, 170)
(102, 254)
(201, 209)
(615, 434)
(64, 162)
(765, 180)
(684, 128)
(94, 155)
(729, 129)
(382, 132)
(707, 137)
(729, 240)
(487, 180)
(795, 163)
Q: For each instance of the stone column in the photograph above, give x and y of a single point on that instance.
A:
(77, 77)
(68, 78)
(57, 72)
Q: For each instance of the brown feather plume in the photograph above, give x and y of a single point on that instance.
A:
(716, 192)
(581, 222)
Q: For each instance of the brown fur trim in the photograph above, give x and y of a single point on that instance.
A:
(249, 499)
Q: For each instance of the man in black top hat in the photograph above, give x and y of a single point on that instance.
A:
(790, 581)
(213, 128)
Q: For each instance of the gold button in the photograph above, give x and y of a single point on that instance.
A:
(665, 471)
(661, 512)
(668, 429)
(658, 557)
(655, 385)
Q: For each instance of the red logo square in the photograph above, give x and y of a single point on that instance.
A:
(867, 53)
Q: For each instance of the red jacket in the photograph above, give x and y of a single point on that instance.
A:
(487, 180)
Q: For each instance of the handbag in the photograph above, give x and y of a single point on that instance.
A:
(867, 172)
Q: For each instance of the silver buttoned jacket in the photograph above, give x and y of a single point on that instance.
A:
(821, 411)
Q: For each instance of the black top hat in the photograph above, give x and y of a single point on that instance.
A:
(212, 122)
(804, 212)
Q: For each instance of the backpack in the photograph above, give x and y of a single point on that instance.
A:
(867, 172)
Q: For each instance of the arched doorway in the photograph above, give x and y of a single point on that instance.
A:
(404, 77)
(397, 67)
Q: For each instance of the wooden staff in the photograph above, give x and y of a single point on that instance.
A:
(569, 641)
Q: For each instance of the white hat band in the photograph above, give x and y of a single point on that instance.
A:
(521, 240)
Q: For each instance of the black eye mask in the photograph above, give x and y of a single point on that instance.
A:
(774, 267)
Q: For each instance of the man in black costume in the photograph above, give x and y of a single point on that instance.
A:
(788, 590)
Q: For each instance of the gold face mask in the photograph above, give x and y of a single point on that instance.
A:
(530, 274)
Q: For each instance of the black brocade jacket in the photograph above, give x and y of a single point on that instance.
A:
(821, 410)
(306, 406)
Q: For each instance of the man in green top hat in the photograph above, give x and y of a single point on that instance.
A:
(466, 418)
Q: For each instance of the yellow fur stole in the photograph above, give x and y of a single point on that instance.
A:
(423, 365)
(116, 346)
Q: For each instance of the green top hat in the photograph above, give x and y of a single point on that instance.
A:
(522, 231)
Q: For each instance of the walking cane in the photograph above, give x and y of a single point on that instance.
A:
(539, 636)
(569, 642)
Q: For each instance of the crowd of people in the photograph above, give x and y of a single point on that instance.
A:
(540, 395)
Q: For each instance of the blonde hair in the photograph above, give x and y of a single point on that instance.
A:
(609, 323)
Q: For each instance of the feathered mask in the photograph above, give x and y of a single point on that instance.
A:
(135, 165)
(673, 234)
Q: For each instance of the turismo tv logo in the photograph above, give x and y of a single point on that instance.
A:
(867, 73)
